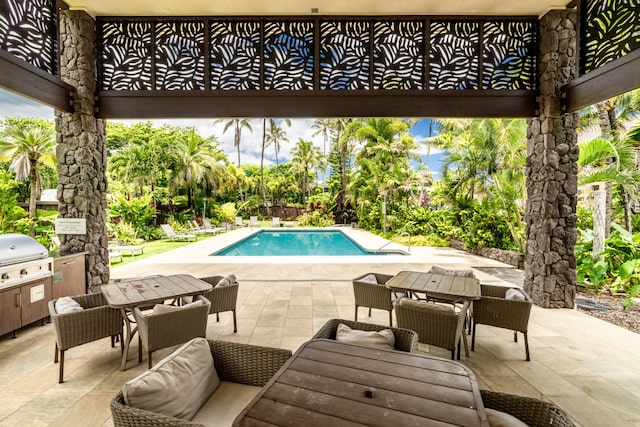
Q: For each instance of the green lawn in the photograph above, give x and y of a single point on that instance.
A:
(150, 248)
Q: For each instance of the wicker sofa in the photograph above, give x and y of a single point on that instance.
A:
(405, 340)
(234, 363)
(533, 412)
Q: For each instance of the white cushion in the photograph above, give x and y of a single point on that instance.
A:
(426, 305)
(502, 419)
(369, 278)
(452, 272)
(384, 339)
(225, 404)
(516, 294)
(178, 385)
(227, 280)
(67, 305)
(166, 308)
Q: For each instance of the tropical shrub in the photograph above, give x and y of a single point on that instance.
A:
(317, 218)
(9, 211)
(616, 269)
(228, 212)
(137, 211)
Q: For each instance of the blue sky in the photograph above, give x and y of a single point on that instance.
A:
(18, 106)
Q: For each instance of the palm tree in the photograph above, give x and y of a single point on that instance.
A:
(612, 161)
(238, 125)
(305, 157)
(275, 136)
(196, 159)
(27, 145)
(324, 127)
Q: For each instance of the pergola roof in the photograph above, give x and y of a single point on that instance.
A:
(310, 7)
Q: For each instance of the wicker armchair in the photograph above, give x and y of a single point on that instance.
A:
(234, 362)
(374, 295)
(533, 412)
(156, 331)
(434, 327)
(494, 310)
(406, 340)
(96, 321)
(222, 298)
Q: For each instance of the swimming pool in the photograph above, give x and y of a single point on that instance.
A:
(296, 243)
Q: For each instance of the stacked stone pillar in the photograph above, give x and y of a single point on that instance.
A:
(81, 150)
(552, 155)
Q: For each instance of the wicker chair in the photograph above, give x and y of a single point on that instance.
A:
(156, 331)
(494, 310)
(533, 412)
(222, 298)
(434, 327)
(406, 340)
(374, 295)
(234, 362)
(96, 321)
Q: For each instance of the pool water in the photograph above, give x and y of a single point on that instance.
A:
(295, 243)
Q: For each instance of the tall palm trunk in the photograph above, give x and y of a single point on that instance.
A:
(606, 127)
(262, 189)
(33, 196)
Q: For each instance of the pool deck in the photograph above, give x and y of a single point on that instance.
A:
(584, 365)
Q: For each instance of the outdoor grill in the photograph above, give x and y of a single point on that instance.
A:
(22, 259)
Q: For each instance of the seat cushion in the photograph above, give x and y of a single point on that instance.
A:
(515, 294)
(502, 419)
(369, 278)
(227, 280)
(383, 339)
(452, 272)
(225, 404)
(67, 305)
(178, 385)
(426, 305)
(166, 308)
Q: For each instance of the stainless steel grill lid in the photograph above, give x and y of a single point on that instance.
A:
(16, 248)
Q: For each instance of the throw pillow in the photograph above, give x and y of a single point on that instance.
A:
(502, 419)
(369, 278)
(67, 305)
(452, 272)
(384, 339)
(426, 305)
(515, 294)
(166, 308)
(178, 385)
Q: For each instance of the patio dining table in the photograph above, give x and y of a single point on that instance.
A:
(146, 291)
(330, 383)
(444, 287)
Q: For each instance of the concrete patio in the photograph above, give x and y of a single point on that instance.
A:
(584, 365)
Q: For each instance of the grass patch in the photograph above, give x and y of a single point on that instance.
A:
(150, 249)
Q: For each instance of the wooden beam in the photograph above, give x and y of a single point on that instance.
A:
(25, 79)
(612, 79)
(208, 104)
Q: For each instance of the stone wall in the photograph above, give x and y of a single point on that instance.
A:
(513, 258)
(552, 154)
(81, 150)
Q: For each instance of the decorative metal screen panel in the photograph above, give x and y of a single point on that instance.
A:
(508, 55)
(398, 56)
(235, 55)
(610, 30)
(288, 55)
(126, 55)
(198, 53)
(28, 30)
(344, 55)
(179, 54)
(454, 55)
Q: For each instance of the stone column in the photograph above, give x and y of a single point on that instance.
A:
(81, 151)
(552, 155)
